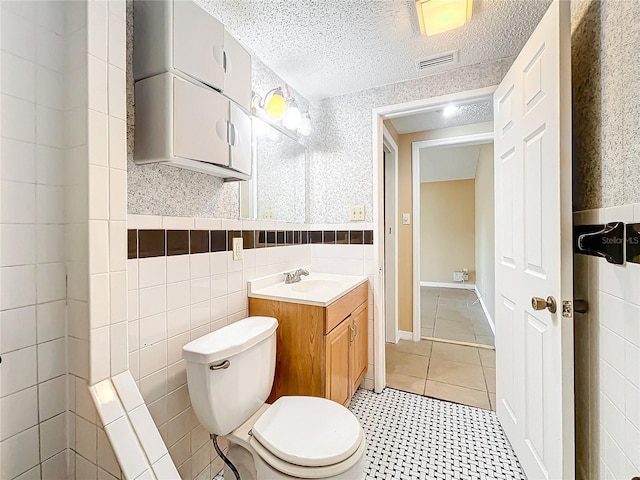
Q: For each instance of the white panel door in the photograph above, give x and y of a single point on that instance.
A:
(390, 212)
(535, 401)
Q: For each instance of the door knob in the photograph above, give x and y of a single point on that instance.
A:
(540, 304)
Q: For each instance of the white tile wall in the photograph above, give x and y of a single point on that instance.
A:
(33, 380)
(607, 359)
(173, 300)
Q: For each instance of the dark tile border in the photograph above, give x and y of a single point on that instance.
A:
(157, 243)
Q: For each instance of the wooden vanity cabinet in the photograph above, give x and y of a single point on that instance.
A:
(321, 351)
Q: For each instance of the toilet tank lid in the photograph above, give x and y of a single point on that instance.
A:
(229, 340)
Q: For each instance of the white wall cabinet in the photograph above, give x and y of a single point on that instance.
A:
(188, 125)
(192, 91)
(179, 36)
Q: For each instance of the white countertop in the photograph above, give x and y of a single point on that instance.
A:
(319, 289)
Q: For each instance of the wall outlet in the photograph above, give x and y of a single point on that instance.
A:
(406, 219)
(356, 213)
(268, 214)
(237, 248)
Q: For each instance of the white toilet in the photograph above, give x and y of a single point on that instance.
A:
(230, 373)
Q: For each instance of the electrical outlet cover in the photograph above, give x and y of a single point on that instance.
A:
(237, 248)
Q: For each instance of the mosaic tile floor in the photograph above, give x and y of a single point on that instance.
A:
(414, 437)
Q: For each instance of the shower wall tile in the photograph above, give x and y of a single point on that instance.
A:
(32, 238)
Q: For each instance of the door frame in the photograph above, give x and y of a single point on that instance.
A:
(391, 144)
(462, 140)
(379, 114)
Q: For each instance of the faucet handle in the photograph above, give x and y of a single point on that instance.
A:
(289, 276)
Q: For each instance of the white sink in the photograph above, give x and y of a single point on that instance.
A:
(319, 289)
(311, 285)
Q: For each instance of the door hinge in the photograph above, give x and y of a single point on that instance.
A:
(567, 309)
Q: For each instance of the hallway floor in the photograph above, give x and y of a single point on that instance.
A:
(456, 373)
(450, 314)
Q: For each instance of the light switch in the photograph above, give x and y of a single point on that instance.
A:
(237, 248)
(406, 219)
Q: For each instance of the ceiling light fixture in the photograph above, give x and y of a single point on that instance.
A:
(437, 16)
(449, 110)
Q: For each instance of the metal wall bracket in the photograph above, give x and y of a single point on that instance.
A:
(633, 242)
(605, 241)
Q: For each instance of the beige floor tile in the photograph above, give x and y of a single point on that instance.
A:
(423, 347)
(426, 332)
(428, 321)
(406, 383)
(407, 364)
(455, 393)
(481, 327)
(486, 340)
(456, 373)
(490, 377)
(462, 324)
(492, 399)
(487, 357)
(455, 353)
(453, 314)
(453, 333)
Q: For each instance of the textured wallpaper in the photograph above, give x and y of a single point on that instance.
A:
(341, 168)
(163, 190)
(605, 58)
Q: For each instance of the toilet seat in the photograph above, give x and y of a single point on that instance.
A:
(308, 437)
(296, 471)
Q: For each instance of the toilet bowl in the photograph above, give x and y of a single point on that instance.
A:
(230, 373)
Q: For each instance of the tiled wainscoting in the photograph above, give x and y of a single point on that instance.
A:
(607, 359)
(184, 283)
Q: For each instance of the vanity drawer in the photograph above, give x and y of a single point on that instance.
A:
(342, 308)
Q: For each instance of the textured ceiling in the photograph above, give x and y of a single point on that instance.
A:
(432, 120)
(441, 164)
(325, 48)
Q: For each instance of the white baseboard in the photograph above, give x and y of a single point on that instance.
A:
(403, 335)
(465, 286)
(486, 312)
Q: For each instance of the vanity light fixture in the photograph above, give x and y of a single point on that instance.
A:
(292, 115)
(305, 127)
(273, 103)
(281, 111)
(437, 16)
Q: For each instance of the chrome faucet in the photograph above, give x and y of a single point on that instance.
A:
(294, 277)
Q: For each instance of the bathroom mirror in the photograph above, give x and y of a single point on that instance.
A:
(278, 186)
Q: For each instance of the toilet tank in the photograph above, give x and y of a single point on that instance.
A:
(230, 372)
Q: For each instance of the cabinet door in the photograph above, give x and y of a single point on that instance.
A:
(237, 76)
(199, 123)
(358, 357)
(198, 43)
(337, 381)
(240, 139)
